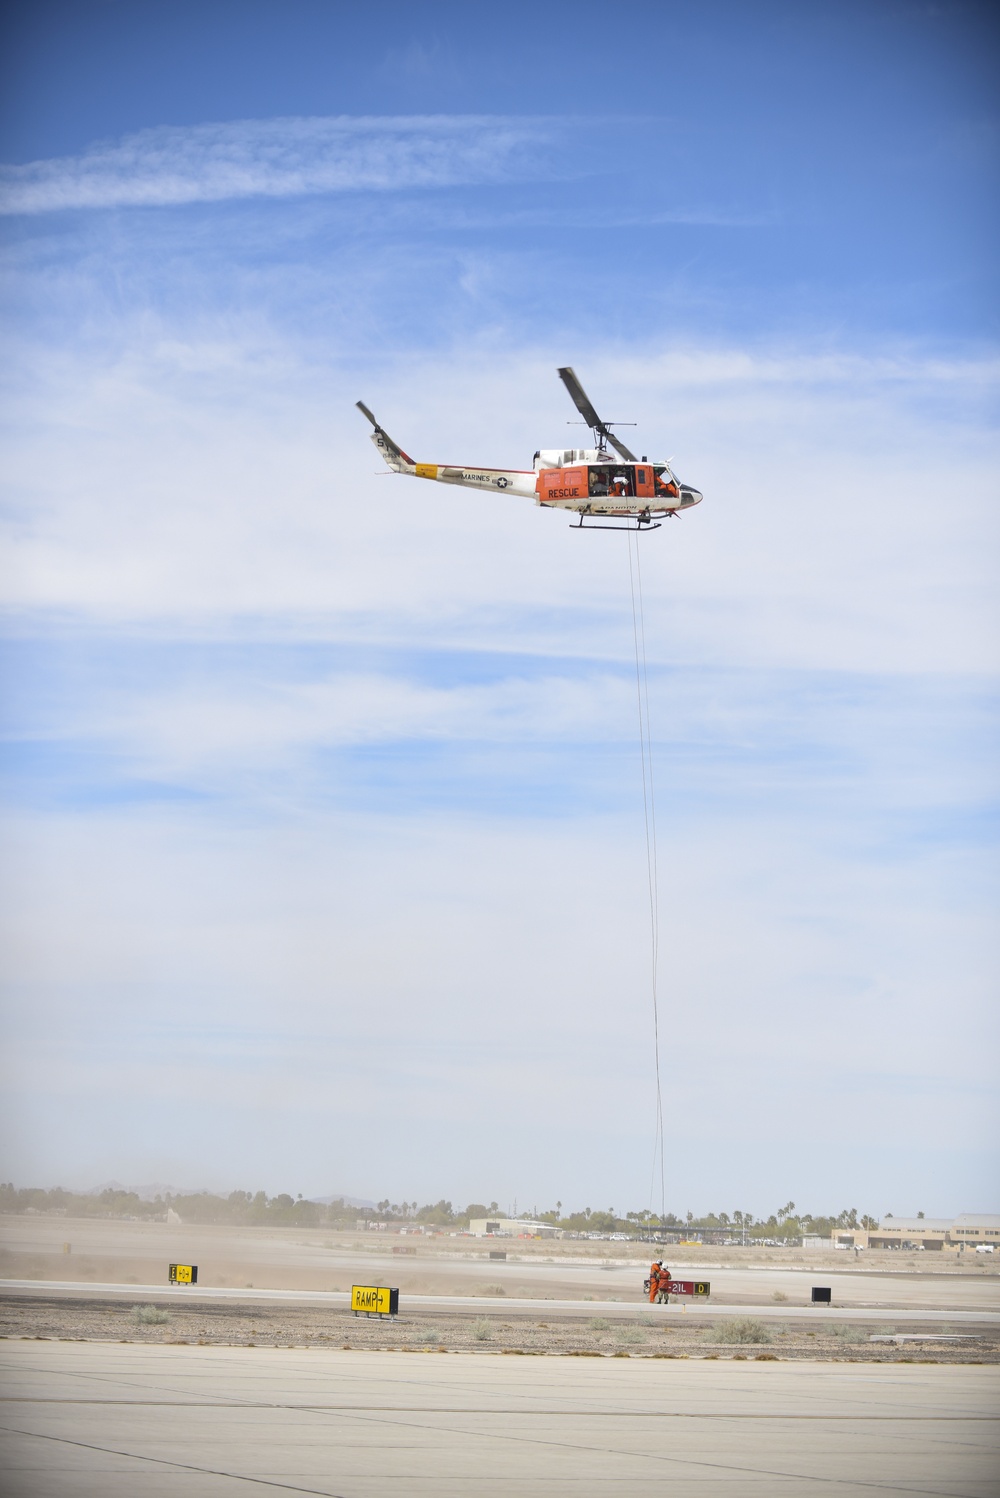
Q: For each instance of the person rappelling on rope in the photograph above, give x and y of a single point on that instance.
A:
(653, 1283)
(663, 1287)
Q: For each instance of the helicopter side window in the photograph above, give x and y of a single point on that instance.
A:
(600, 482)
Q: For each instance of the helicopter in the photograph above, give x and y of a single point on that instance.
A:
(588, 481)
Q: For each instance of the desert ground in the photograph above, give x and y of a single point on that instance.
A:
(67, 1278)
(515, 1328)
(110, 1252)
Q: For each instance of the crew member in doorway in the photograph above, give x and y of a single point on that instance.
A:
(654, 1280)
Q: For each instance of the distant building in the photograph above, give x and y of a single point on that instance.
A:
(511, 1227)
(972, 1228)
(968, 1230)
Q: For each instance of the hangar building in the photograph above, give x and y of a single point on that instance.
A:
(968, 1230)
(510, 1227)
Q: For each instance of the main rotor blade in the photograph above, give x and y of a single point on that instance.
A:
(581, 401)
(620, 447)
(578, 396)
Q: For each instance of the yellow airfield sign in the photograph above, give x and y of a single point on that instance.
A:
(183, 1274)
(374, 1300)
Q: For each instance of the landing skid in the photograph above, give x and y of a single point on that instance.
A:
(640, 525)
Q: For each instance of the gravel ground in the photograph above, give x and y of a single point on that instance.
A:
(40, 1318)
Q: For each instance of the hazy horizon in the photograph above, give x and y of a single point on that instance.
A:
(148, 1192)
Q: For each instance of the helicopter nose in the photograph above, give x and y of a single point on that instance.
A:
(690, 496)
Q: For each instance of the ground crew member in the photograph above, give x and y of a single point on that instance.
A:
(663, 1295)
(654, 1280)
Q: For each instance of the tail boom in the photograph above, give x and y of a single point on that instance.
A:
(514, 480)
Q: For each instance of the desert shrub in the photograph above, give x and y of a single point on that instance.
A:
(779, 1295)
(599, 1324)
(494, 1290)
(740, 1329)
(631, 1334)
(428, 1337)
(847, 1333)
(482, 1330)
(150, 1315)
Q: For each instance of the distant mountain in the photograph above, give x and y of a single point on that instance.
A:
(338, 1196)
(150, 1192)
(159, 1188)
(145, 1193)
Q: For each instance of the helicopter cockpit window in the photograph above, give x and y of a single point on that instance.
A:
(664, 480)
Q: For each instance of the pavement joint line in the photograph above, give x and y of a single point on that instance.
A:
(419, 1409)
(672, 1461)
(610, 1451)
(385, 1418)
(181, 1466)
(326, 1493)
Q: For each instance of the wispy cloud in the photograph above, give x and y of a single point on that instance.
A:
(277, 158)
(216, 481)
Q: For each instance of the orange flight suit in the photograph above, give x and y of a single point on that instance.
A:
(654, 1282)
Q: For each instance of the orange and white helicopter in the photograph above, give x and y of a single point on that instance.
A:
(586, 480)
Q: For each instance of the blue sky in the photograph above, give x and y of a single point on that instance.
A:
(324, 825)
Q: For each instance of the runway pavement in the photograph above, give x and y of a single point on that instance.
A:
(509, 1306)
(103, 1421)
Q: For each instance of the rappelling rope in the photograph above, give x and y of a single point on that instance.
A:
(649, 817)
